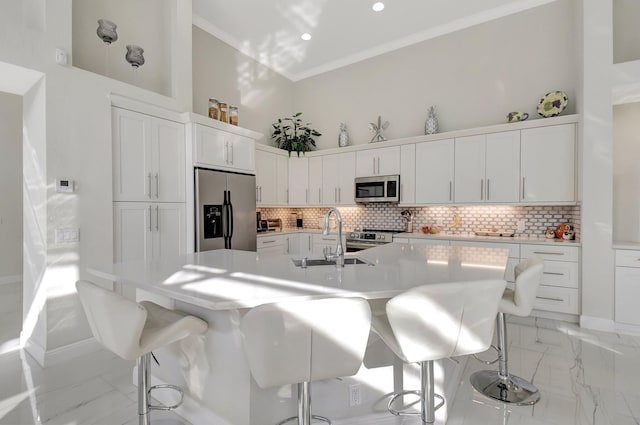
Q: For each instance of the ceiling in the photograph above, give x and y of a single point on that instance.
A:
(343, 31)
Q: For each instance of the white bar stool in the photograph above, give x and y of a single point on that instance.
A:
(501, 385)
(132, 330)
(438, 321)
(298, 342)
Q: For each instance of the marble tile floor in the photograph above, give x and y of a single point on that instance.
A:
(585, 377)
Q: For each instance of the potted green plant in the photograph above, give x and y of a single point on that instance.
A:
(292, 134)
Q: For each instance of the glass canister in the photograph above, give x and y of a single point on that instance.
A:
(233, 115)
(213, 108)
(223, 112)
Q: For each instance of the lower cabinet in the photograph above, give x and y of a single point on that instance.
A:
(145, 231)
(627, 291)
(559, 289)
(270, 245)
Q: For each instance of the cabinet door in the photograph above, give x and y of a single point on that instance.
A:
(330, 179)
(168, 150)
(210, 147)
(132, 225)
(133, 171)
(469, 169)
(378, 162)
(241, 152)
(502, 169)
(282, 180)
(315, 180)
(547, 164)
(434, 175)
(168, 229)
(408, 174)
(627, 295)
(346, 185)
(292, 244)
(298, 180)
(266, 178)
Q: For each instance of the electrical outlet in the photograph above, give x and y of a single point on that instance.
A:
(354, 395)
(521, 224)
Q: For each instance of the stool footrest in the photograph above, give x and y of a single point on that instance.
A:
(317, 417)
(511, 389)
(419, 394)
(166, 386)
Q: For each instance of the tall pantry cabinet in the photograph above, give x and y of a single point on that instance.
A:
(148, 186)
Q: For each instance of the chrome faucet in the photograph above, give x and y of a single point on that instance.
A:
(338, 257)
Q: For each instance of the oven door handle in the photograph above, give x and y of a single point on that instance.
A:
(362, 245)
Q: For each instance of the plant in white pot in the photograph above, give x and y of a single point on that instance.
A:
(292, 134)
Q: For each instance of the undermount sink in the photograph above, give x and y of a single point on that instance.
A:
(323, 262)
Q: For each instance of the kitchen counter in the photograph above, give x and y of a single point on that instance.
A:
(502, 239)
(626, 245)
(220, 286)
(293, 230)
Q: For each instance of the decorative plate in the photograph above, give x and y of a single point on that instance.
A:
(552, 104)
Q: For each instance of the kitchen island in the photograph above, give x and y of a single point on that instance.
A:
(220, 286)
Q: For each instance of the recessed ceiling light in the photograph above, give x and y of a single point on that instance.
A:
(378, 6)
(306, 36)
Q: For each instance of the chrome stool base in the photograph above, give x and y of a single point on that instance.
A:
(511, 389)
(316, 417)
(419, 394)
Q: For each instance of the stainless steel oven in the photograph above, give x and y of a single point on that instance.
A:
(368, 238)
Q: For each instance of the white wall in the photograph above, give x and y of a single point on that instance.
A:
(71, 108)
(222, 72)
(10, 187)
(626, 37)
(474, 77)
(626, 172)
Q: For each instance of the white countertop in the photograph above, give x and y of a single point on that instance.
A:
(502, 239)
(626, 245)
(229, 279)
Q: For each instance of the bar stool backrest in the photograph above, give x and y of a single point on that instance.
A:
(528, 276)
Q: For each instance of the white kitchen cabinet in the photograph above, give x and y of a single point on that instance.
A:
(298, 180)
(329, 242)
(548, 164)
(148, 158)
(434, 172)
(338, 174)
(270, 245)
(315, 180)
(219, 149)
(408, 174)
(487, 168)
(271, 178)
(559, 289)
(627, 290)
(146, 231)
(378, 162)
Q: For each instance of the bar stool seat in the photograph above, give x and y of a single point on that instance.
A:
(501, 385)
(438, 321)
(132, 330)
(297, 342)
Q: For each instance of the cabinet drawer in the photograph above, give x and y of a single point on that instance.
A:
(325, 239)
(553, 253)
(560, 273)
(627, 258)
(514, 248)
(560, 300)
(267, 241)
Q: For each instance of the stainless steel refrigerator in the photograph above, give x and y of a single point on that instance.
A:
(225, 210)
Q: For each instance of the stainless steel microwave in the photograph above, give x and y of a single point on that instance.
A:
(377, 189)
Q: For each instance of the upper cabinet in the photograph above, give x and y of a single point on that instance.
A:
(315, 180)
(272, 178)
(548, 164)
(298, 180)
(408, 174)
(338, 176)
(378, 162)
(216, 148)
(435, 172)
(148, 158)
(487, 168)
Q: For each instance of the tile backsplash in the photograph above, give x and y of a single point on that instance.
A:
(388, 217)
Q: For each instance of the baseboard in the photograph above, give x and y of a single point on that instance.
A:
(597, 324)
(61, 354)
(565, 317)
(5, 280)
(625, 328)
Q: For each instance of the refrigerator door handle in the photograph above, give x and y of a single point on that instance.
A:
(230, 208)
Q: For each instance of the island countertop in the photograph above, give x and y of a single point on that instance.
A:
(229, 279)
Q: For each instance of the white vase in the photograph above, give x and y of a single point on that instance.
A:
(431, 125)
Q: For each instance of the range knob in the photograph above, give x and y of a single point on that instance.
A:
(380, 236)
(353, 235)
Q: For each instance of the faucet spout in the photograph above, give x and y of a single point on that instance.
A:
(339, 255)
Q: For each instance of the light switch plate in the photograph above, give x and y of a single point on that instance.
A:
(67, 234)
(65, 186)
